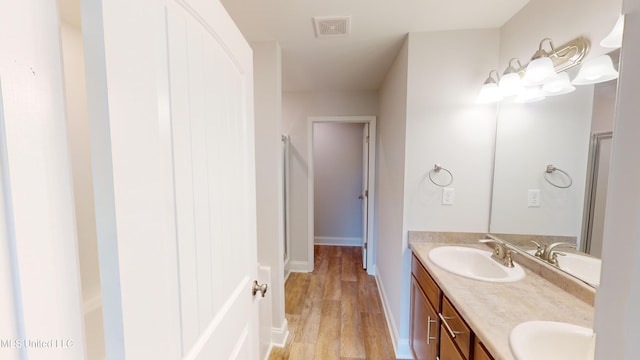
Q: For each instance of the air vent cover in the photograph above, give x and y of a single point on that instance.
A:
(333, 26)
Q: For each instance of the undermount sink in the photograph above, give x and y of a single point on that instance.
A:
(474, 264)
(584, 267)
(549, 340)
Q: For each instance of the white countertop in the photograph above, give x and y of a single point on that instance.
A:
(493, 309)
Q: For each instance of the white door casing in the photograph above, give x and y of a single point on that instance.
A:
(171, 116)
(371, 123)
(365, 193)
(41, 305)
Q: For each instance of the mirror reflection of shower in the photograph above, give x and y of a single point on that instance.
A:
(285, 200)
(596, 193)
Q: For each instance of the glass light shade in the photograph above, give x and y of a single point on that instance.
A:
(614, 39)
(510, 84)
(596, 70)
(489, 94)
(558, 85)
(538, 71)
(529, 94)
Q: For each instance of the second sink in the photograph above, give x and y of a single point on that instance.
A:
(474, 264)
(550, 340)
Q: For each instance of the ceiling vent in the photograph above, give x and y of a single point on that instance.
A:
(334, 26)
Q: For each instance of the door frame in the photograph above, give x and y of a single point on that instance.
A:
(371, 120)
(591, 186)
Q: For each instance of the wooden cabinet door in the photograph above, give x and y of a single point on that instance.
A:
(424, 325)
(480, 352)
(448, 350)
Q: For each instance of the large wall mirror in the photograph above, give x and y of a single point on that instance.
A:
(550, 175)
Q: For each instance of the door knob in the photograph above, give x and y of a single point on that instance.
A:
(259, 287)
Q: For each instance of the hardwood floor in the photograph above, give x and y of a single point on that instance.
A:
(334, 312)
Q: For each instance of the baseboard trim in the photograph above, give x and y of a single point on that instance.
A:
(337, 241)
(280, 334)
(298, 266)
(400, 346)
(266, 357)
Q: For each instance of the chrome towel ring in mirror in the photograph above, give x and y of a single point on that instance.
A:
(436, 169)
(550, 169)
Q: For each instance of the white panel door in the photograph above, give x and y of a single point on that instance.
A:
(172, 136)
(365, 193)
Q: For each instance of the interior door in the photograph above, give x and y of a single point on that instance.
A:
(365, 193)
(170, 87)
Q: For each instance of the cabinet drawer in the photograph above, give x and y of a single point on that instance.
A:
(425, 324)
(461, 332)
(448, 350)
(425, 281)
(480, 352)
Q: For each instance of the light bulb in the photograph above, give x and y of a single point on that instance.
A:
(538, 71)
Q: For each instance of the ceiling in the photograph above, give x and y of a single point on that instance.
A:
(378, 27)
(353, 63)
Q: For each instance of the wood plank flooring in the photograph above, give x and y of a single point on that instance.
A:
(334, 312)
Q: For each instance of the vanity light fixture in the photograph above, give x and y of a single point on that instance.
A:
(511, 81)
(558, 85)
(596, 70)
(614, 39)
(489, 92)
(541, 67)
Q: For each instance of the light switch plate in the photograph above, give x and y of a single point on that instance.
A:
(447, 196)
(533, 199)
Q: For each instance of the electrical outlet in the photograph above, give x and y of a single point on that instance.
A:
(447, 196)
(533, 199)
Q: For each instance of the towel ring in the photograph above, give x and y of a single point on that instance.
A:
(550, 169)
(436, 169)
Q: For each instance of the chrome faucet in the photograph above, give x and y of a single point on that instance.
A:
(501, 253)
(546, 252)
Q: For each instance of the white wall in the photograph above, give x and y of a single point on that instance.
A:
(337, 161)
(445, 126)
(297, 107)
(268, 122)
(78, 132)
(531, 136)
(617, 299)
(389, 211)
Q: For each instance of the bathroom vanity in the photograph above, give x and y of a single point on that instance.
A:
(457, 318)
(445, 335)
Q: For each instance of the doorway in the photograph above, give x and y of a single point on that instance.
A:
(340, 206)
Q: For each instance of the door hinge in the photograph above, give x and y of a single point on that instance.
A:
(365, 246)
(366, 139)
(366, 193)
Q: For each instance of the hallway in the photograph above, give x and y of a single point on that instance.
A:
(335, 312)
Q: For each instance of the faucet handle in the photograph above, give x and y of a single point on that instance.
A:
(508, 260)
(539, 250)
